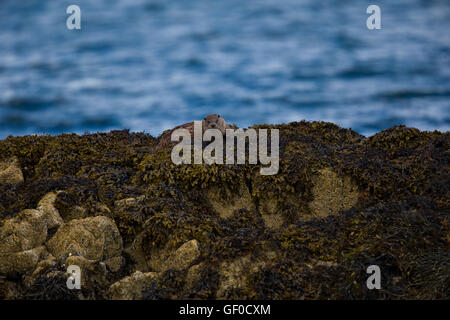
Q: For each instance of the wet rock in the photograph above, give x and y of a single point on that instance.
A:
(10, 171)
(332, 194)
(129, 214)
(128, 202)
(92, 272)
(21, 262)
(25, 231)
(68, 205)
(271, 210)
(9, 290)
(131, 287)
(234, 274)
(273, 221)
(102, 210)
(225, 204)
(76, 212)
(28, 229)
(194, 275)
(115, 264)
(162, 259)
(22, 237)
(95, 238)
(43, 265)
(136, 252)
(183, 257)
(47, 205)
(319, 263)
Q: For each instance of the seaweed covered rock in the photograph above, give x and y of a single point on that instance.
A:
(51, 214)
(10, 171)
(95, 238)
(235, 274)
(131, 287)
(183, 257)
(22, 261)
(142, 227)
(51, 285)
(22, 237)
(226, 204)
(163, 259)
(93, 272)
(9, 290)
(332, 194)
(25, 231)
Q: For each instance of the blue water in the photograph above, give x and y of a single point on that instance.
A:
(148, 65)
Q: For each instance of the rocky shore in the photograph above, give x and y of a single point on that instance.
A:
(140, 227)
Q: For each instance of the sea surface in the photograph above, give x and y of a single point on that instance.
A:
(148, 65)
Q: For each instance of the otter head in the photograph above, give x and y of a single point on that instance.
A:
(214, 121)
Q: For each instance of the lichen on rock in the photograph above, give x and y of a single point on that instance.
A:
(131, 287)
(332, 194)
(95, 238)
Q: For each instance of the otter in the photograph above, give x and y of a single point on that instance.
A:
(215, 121)
(211, 121)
